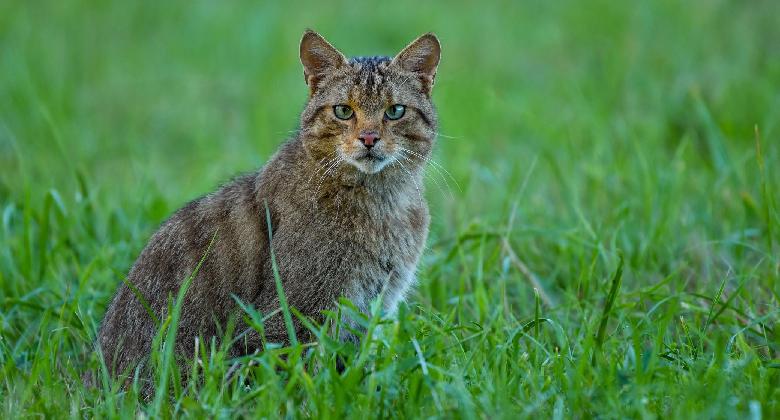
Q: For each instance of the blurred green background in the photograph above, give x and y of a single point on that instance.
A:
(574, 130)
(171, 98)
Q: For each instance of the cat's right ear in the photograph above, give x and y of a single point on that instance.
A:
(318, 58)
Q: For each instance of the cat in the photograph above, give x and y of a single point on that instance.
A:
(346, 206)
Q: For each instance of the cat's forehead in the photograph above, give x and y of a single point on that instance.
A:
(370, 83)
(372, 63)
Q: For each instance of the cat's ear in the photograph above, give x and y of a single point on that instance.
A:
(421, 57)
(318, 58)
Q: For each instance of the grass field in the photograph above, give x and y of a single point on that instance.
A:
(620, 159)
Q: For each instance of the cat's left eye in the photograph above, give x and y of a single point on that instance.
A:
(394, 112)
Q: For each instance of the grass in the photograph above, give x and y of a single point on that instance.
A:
(611, 248)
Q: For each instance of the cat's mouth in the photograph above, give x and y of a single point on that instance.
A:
(372, 157)
(369, 162)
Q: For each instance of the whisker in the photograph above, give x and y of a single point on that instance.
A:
(405, 155)
(440, 134)
(320, 167)
(323, 171)
(435, 164)
(337, 160)
(416, 186)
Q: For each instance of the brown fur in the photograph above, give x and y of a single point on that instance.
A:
(343, 224)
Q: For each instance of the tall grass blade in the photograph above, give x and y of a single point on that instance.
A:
(278, 280)
(169, 346)
(608, 305)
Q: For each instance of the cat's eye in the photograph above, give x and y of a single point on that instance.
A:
(394, 112)
(343, 112)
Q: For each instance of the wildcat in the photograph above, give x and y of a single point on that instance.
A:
(346, 208)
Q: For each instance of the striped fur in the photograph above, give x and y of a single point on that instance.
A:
(344, 223)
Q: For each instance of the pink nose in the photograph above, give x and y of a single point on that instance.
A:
(369, 138)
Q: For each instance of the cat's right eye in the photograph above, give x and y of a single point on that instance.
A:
(343, 112)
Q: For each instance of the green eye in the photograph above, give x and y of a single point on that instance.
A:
(343, 112)
(395, 112)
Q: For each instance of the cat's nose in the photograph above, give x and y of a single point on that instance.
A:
(369, 138)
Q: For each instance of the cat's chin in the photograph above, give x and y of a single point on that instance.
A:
(369, 164)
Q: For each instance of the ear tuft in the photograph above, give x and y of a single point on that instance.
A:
(318, 58)
(421, 57)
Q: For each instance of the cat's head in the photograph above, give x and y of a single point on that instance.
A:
(373, 113)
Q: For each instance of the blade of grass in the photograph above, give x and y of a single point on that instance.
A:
(530, 276)
(764, 192)
(278, 280)
(161, 391)
(611, 297)
(142, 300)
(715, 302)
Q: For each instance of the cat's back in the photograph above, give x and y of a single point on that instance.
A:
(218, 239)
(217, 228)
(222, 234)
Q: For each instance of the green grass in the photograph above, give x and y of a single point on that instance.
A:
(611, 248)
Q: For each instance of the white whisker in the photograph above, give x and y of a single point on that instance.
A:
(416, 186)
(405, 155)
(435, 164)
(320, 167)
(323, 171)
(447, 137)
(335, 163)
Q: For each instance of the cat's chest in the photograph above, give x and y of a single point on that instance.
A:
(359, 253)
(374, 234)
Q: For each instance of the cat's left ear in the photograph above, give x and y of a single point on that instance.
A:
(421, 57)
(318, 58)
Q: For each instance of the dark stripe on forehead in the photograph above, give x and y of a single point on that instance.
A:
(370, 74)
(371, 63)
(368, 81)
